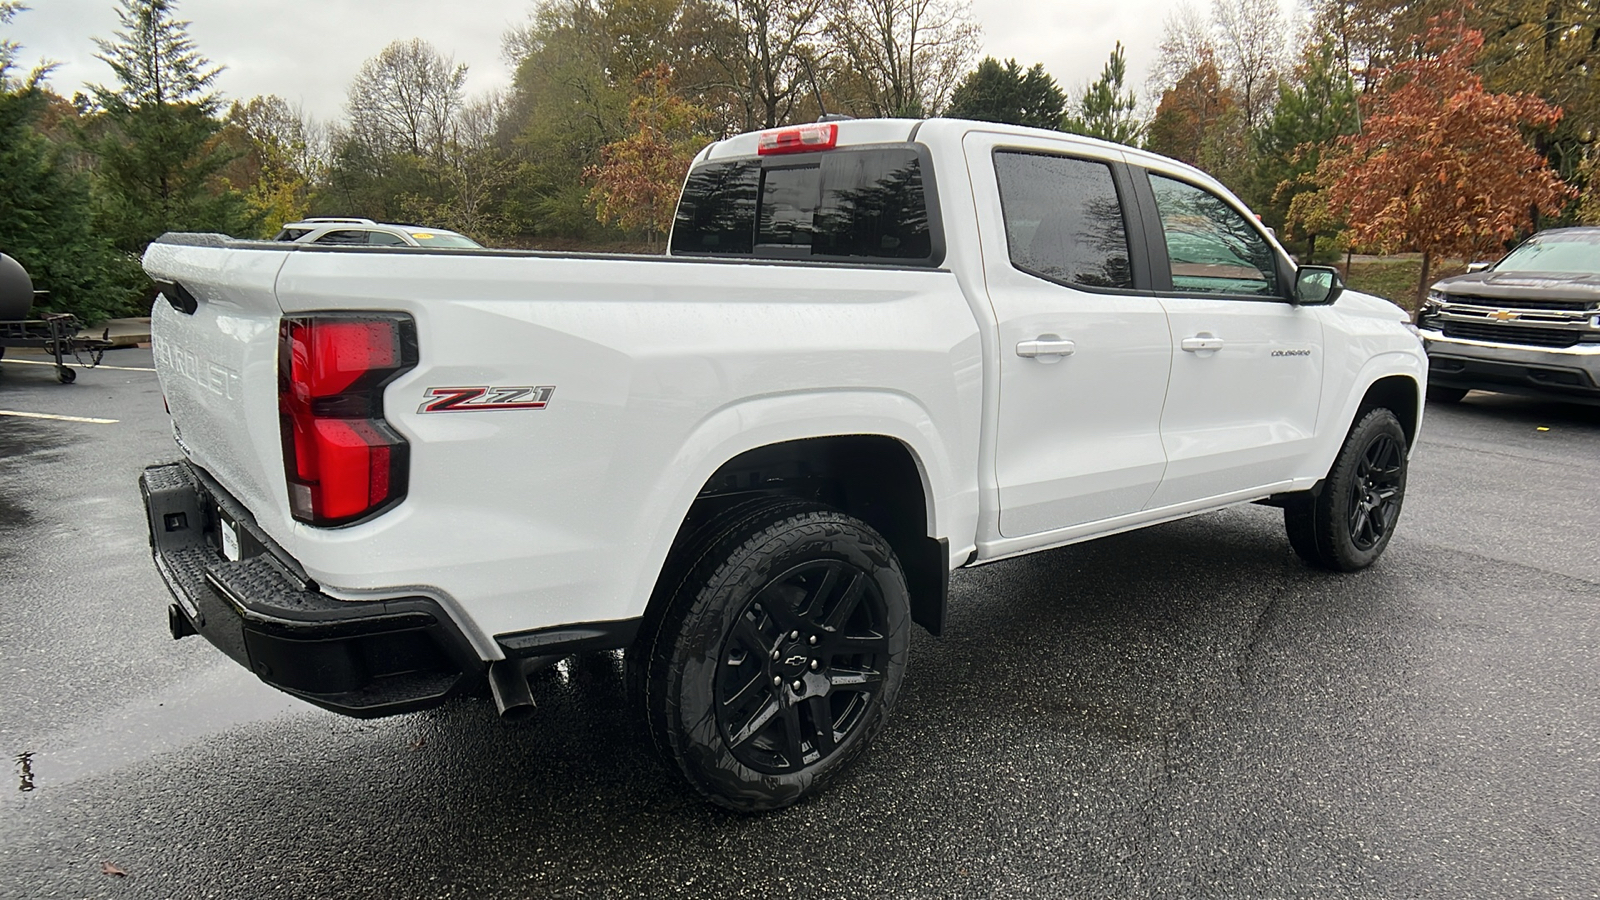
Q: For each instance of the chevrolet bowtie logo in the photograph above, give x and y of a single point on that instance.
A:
(1504, 315)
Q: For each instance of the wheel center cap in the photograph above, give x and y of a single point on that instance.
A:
(793, 660)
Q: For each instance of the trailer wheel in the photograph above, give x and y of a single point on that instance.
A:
(779, 657)
(66, 375)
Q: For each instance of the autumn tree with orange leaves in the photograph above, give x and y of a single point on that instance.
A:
(636, 184)
(1191, 121)
(1441, 166)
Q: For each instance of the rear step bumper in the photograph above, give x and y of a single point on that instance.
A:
(363, 659)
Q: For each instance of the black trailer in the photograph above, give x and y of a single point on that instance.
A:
(57, 335)
(54, 333)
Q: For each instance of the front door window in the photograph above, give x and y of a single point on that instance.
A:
(1211, 248)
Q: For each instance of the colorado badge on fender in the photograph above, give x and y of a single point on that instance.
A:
(470, 399)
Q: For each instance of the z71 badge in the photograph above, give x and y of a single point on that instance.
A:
(471, 399)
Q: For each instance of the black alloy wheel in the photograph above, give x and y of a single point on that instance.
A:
(1346, 524)
(1375, 492)
(778, 653)
(802, 665)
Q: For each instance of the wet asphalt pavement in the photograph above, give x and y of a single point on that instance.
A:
(1185, 711)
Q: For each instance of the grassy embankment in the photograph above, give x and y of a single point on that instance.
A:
(1395, 277)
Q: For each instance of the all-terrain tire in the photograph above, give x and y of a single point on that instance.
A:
(1348, 524)
(779, 656)
(705, 530)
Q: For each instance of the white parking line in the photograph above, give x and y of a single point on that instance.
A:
(38, 362)
(34, 415)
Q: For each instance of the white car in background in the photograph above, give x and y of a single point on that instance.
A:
(367, 233)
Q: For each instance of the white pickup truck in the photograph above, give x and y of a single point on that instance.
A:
(878, 351)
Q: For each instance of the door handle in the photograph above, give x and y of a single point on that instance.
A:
(1045, 345)
(1202, 341)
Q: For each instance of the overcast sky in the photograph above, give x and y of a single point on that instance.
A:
(307, 51)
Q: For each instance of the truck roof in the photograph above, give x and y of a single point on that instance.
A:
(888, 131)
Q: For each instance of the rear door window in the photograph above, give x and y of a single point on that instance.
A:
(1063, 219)
(861, 205)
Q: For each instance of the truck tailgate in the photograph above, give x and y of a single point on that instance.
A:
(214, 333)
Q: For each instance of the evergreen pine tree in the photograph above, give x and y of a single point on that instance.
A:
(8, 47)
(1105, 111)
(45, 211)
(153, 136)
(996, 92)
(1309, 117)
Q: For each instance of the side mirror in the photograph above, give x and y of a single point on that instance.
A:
(1478, 267)
(1317, 285)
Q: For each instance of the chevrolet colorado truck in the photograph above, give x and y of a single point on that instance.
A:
(877, 351)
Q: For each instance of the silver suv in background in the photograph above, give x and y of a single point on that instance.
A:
(1528, 324)
(367, 233)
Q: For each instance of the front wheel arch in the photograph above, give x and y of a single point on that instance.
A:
(1400, 395)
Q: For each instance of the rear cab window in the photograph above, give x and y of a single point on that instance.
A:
(866, 204)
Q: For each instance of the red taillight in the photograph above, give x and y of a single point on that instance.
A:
(341, 459)
(803, 139)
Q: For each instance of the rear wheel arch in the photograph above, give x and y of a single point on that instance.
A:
(872, 477)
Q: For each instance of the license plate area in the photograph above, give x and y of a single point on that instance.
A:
(231, 540)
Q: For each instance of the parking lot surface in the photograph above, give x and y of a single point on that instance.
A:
(1183, 711)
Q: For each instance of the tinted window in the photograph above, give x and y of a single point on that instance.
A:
(343, 237)
(1063, 219)
(292, 234)
(873, 205)
(788, 210)
(1212, 248)
(717, 212)
(385, 239)
(855, 204)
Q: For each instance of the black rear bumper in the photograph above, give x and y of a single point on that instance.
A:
(364, 659)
